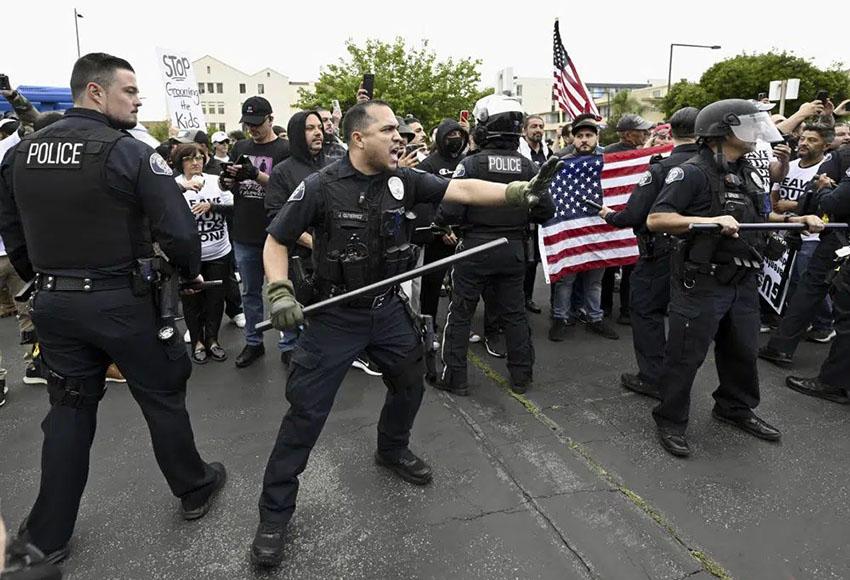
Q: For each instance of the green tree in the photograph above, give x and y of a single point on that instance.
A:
(410, 79)
(157, 129)
(621, 104)
(684, 94)
(747, 75)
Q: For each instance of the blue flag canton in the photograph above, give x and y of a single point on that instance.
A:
(580, 178)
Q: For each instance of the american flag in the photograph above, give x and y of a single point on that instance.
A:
(568, 88)
(577, 239)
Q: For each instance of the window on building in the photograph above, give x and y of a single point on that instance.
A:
(261, 89)
(204, 108)
(519, 90)
(201, 88)
(208, 70)
(219, 88)
(221, 126)
(242, 88)
(221, 108)
(210, 88)
(268, 75)
(656, 94)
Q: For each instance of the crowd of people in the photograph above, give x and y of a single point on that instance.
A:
(284, 217)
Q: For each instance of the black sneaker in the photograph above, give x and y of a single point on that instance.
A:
(35, 373)
(559, 330)
(367, 366)
(602, 328)
(3, 390)
(821, 336)
(249, 354)
(194, 510)
(520, 387)
(407, 466)
(495, 345)
(533, 307)
(776, 357)
(636, 384)
(267, 547)
(625, 318)
(286, 357)
(23, 540)
(459, 390)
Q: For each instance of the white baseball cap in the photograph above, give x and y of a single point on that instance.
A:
(219, 136)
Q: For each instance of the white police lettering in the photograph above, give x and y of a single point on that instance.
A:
(298, 194)
(159, 166)
(56, 154)
(676, 174)
(396, 186)
(504, 164)
(460, 171)
(645, 179)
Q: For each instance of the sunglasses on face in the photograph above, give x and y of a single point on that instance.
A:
(197, 157)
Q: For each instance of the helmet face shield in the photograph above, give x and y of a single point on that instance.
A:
(755, 127)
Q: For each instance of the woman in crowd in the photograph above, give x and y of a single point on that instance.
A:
(210, 205)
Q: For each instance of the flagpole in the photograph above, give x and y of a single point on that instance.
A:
(77, 30)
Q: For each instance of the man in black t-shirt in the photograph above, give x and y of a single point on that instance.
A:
(248, 184)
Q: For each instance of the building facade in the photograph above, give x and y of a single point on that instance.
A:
(224, 88)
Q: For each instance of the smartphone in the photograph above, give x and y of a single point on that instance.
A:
(408, 149)
(464, 116)
(369, 84)
(822, 96)
(336, 108)
(4, 83)
(762, 96)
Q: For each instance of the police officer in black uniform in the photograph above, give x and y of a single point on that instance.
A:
(81, 202)
(498, 130)
(650, 279)
(714, 276)
(360, 210)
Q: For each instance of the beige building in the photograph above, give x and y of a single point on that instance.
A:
(224, 88)
(647, 96)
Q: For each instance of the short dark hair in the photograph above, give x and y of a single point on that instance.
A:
(182, 151)
(408, 119)
(95, 67)
(826, 133)
(565, 130)
(357, 118)
(529, 118)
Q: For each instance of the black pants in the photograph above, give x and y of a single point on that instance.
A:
(502, 270)
(80, 335)
(322, 356)
(202, 311)
(608, 288)
(808, 297)
(835, 370)
(429, 296)
(232, 292)
(650, 295)
(727, 314)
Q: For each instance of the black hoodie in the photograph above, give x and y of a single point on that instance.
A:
(441, 162)
(286, 176)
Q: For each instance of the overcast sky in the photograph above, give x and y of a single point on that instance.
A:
(625, 42)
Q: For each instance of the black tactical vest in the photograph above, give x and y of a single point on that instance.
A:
(365, 236)
(71, 217)
(500, 166)
(742, 198)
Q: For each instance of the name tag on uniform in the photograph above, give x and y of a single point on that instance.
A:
(504, 164)
(55, 155)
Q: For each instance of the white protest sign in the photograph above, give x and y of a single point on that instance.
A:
(181, 90)
(775, 276)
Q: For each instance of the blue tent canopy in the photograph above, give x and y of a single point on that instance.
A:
(43, 98)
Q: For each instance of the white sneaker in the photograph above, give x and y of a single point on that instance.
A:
(238, 278)
(474, 338)
(186, 338)
(239, 320)
(366, 366)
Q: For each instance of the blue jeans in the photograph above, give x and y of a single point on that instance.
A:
(822, 319)
(249, 259)
(562, 292)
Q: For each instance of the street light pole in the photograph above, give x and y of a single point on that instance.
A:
(77, 15)
(670, 65)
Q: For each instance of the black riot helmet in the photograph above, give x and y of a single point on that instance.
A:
(737, 117)
(498, 116)
(682, 123)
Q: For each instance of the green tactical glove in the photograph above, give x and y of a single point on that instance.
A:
(286, 313)
(527, 193)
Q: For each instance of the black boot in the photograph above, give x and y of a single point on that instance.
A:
(267, 547)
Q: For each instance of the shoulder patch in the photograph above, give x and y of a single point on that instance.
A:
(645, 179)
(159, 166)
(298, 194)
(757, 180)
(460, 171)
(676, 174)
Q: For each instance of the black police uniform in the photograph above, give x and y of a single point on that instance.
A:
(79, 201)
(502, 269)
(650, 279)
(361, 230)
(714, 292)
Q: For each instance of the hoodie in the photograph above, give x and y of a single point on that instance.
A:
(441, 162)
(286, 175)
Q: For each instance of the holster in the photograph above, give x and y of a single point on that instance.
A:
(652, 246)
(305, 290)
(144, 275)
(74, 392)
(423, 324)
(400, 259)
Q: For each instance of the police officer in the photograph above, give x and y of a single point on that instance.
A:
(714, 276)
(650, 279)
(360, 210)
(498, 130)
(80, 202)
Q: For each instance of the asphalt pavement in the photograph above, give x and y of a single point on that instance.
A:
(565, 482)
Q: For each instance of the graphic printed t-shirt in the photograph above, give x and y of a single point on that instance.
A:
(249, 214)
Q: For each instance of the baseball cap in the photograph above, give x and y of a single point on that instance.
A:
(219, 137)
(255, 110)
(191, 136)
(404, 129)
(588, 122)
(633, 123)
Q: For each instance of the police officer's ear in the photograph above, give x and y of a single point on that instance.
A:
(94, 91)
(356, 140)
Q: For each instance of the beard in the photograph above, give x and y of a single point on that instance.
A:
(122, 124)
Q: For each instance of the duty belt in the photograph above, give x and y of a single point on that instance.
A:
(653, 246)
(52, 283)
(726, 274)
(373, 302)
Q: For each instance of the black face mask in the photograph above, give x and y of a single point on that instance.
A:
(455, 145)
